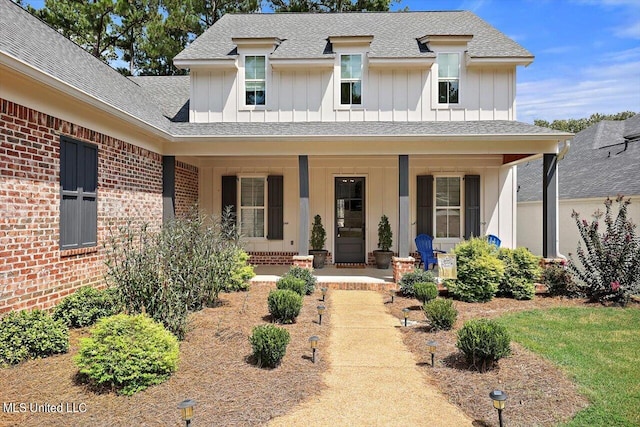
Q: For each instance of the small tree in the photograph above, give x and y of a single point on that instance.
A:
(609, 263)
(385, 236)
(318, 235)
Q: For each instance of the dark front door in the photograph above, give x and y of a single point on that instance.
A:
(350, 224)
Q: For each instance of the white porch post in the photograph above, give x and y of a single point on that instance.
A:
(303, 169)
(403, 226)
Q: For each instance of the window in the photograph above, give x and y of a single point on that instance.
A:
(448, 78)
(252, 207)
(78, 201)
(351, 79)
(254, 80)
(447, 207)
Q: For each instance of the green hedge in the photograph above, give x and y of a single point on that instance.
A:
(440, 313)
(522, 270)
(86, 305)
(293, 284)
(284, 305)
(304, 274)
(483, 342)
(269, 344)
(425, 291)
(409, 280)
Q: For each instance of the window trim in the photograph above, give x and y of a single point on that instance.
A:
(352, 80)
(242, 86)
(265, 207)
(337, 79)
(448, 79)
(460, 208)
(79, 195)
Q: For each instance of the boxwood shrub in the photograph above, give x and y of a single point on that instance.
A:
(440, 313)
(127, 354)
(522, 270)
(483, 342)
(269, 344)
(409, 280)
(306, 275)
(29, 335)
(479, 271)
(293, 284)
(425, 291)
(284, 305)
(86, 305)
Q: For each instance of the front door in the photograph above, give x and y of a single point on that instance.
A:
(350, 224)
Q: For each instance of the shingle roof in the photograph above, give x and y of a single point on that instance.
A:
(598, 164)
(171, 93)
(394, 34)
(31, 41)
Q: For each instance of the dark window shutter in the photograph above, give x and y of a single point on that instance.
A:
(424, 203)
(79, 199)
(471, 206)
(275, 214)
(230, 193)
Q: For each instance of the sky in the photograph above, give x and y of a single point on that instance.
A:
(587, 52)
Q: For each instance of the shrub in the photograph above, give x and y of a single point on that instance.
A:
(306, 275)
(292, 283)
(269, 344)
(440, 313)
(483, 343)
(479, 271)
(30, 335)
(86, 305)
(522, 269)
(425, 291)
(241, 273)
(284, 305)
(559, 281)
(609, 264)
(385, 236)
(318, 234)
(409, 280)
(127, 354)
(180, 269)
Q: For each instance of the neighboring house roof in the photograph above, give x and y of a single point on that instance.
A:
(395, 35)
(604, 160)
(30, 41)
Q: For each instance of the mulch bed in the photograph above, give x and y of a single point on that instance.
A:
(215, 370)
(538, 393)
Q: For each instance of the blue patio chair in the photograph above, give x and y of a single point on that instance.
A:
(494, 240)
(424, 243)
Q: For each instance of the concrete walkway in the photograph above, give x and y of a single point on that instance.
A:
(373, 379)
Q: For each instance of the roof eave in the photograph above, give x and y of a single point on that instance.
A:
(483, 61)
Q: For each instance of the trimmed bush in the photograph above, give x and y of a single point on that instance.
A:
(127, 354)
(409, 280)
(440, 313)
(30, 335)
(284, 305)
(293, 284)
(306, 275)
(425, 291)
(479, 271)
(86, 305)
(522, 269)
(560, 282)
(269, 345)
(483, 343)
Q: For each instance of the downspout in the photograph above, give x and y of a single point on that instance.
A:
(560, 156)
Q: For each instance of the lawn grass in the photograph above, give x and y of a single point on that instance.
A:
(598, 347)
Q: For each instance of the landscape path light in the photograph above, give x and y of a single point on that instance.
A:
(432, 346)
(186, 410)
(498, 397)
(314, 346)
(405, 311)
(324, 293)
(392, 292)
(321, 309)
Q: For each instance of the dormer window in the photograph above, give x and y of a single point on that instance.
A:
(351, 79)
(255, 80)
(448, 78)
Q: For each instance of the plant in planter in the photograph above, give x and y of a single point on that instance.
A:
(385, 240)
(318, 237)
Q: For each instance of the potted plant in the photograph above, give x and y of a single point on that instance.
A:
(383, 254)
(318, 237)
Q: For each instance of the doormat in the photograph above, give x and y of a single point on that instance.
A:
(350, 265)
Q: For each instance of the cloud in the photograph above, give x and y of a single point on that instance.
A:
(632, 31)
(610, 86)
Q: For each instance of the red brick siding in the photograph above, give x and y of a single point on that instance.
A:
(33, 270)
(186, 188)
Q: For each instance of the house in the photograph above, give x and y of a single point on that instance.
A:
(604, 161)
(282, 117)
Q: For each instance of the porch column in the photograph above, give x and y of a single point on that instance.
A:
(550, 206)
(403, 226)
(303, 220)
(168, 188)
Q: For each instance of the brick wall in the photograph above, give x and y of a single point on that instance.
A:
(186, 187)
(33, 270)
